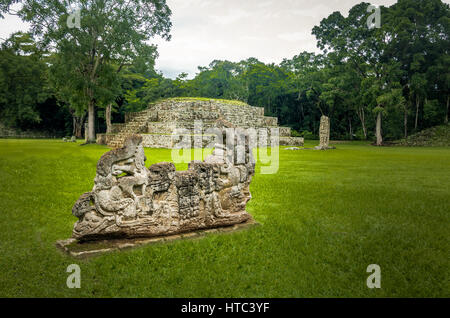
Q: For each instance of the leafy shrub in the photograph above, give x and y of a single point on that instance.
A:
(295, 133)
(308, 135)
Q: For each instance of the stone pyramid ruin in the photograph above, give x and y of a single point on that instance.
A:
(159, 125)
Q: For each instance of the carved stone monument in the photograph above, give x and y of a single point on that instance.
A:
(129, 200)
(324, 133)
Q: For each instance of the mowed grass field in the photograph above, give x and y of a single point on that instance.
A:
(325, 216)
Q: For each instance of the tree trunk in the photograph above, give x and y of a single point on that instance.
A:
(108, 118)
(86, 132)
(417, 113)
(446, 114)
(350, 127)
(77, 124)
(378, 130)
(405, 122)
(91, 122)
(361, 116)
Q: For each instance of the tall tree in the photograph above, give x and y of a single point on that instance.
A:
(23, 81)
(419, 33)
(110, 31)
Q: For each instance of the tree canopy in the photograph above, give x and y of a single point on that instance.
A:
(374, 83)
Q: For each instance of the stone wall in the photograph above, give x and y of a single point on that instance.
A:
(116, 128)
(160, 128)
(292, 141)
(157, 141)
(285, 131)
(176, 141)
(240, 115)
(104, 139)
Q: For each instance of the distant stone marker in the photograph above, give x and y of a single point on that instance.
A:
(129, 201)
(324, 134)
(72, 139)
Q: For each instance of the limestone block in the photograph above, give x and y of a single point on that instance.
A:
(270, 121)
(116, 128)
(160, 127)
(285, 131)
(104, 139)
(292, 141)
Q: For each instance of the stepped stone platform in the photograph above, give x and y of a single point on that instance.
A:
(164, 124)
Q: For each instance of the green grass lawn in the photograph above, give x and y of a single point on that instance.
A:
(326, 215)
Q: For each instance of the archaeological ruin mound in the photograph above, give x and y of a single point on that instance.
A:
(166, 122)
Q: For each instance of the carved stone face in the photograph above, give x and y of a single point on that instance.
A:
(161, 176)
(130, 166)
(207, 175)
(188, 194)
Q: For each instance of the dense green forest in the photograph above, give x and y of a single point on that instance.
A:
(395, 77)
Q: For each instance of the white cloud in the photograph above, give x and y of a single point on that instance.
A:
(204, 30)
(237, 29)
(294, 36)
(11, 24)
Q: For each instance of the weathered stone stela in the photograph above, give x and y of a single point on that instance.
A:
(128, 200)
(324, 133)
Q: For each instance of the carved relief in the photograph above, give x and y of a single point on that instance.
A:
(129, 200)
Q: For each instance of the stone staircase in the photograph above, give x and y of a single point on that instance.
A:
(135, 125)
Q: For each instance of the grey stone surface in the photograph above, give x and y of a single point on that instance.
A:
(104, 139)
(129, 200)
(324, 133)
(78, 249)
(292, 141)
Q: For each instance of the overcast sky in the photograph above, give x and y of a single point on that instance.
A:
(204, 30)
